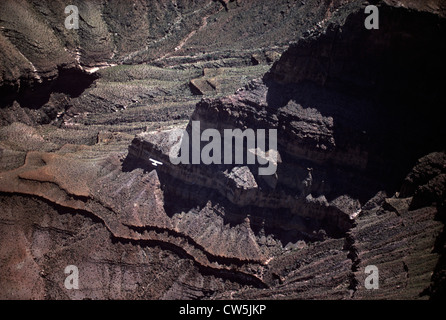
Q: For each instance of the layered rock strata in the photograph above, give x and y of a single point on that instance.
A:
(360, 181)
(349, 130)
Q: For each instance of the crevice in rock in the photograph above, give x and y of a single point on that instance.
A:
(228, 271)
(353, 255)
(212, 258)
(233, 275)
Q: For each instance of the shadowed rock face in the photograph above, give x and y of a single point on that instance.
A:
(360, 178)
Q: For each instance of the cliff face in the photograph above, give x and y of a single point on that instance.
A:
(360, 175)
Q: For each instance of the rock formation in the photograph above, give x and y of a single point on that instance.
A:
(361, 165)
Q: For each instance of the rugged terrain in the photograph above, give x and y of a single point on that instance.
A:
(361, 172)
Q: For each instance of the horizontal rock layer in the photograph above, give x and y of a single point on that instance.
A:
(360, 176)
(35, 46)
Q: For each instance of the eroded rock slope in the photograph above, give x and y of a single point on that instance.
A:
(360, 178)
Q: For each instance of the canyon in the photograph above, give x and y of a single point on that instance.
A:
(87, 118)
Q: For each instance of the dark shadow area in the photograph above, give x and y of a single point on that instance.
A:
(72, 82)
(384, 90)
(280, 223)
(174, 190)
